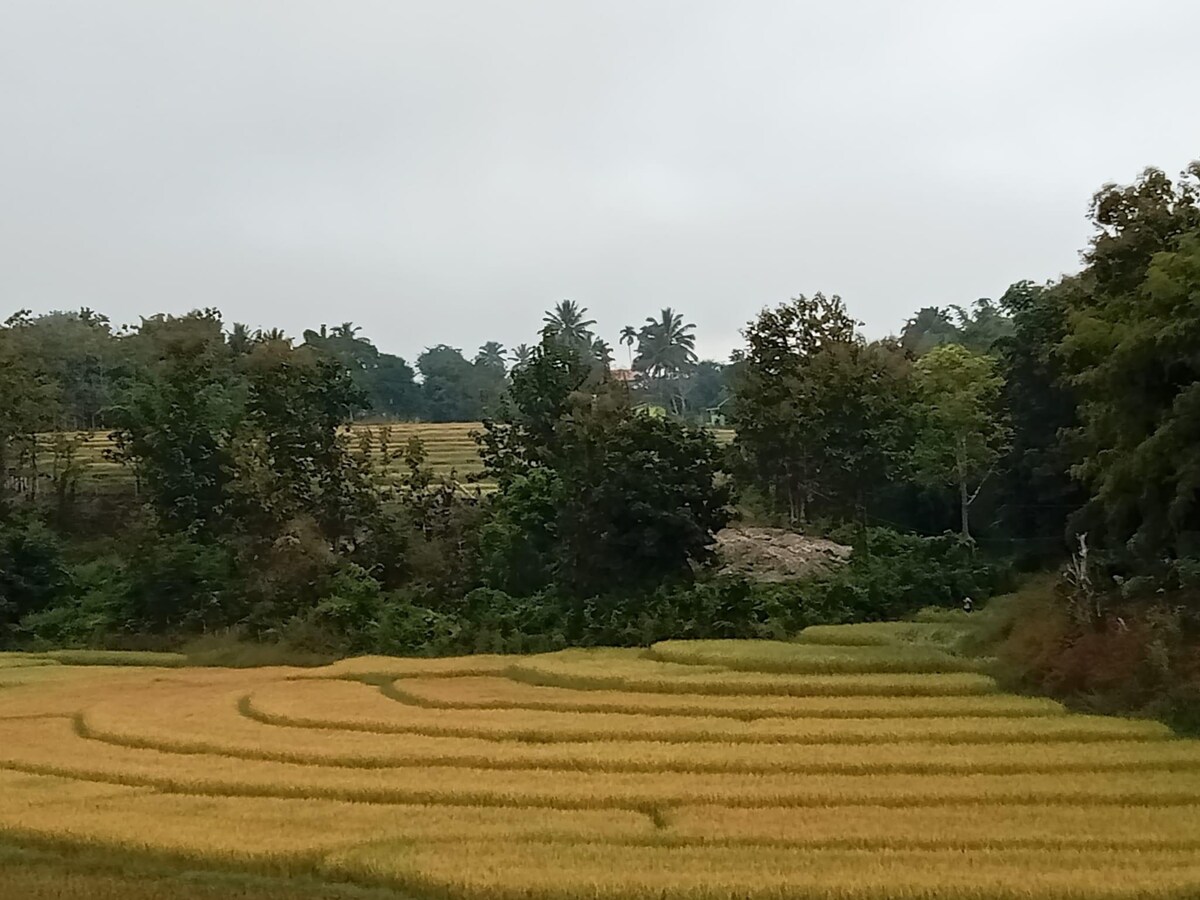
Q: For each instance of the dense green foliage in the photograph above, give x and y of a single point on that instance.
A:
(983, 434)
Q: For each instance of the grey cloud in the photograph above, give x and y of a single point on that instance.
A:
(445, 171)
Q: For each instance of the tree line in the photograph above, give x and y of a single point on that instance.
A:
(1062, 418)
(88, 362)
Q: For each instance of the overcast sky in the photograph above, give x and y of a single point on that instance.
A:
(444, 171)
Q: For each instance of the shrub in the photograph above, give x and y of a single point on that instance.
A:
(33, 574)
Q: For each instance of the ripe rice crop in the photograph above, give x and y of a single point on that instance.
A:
(503, 693)
(276, 834)
(359, 708)
(632, 670)
(601, 774)
(192, 721)
(49, 747)
(498, 870)
(945, 827)
(389, 667)
(183, 719)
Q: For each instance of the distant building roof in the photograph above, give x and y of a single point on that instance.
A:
(626, 375)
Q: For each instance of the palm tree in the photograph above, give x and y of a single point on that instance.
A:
(521, 355)
(629, 337)
(666, 346)
(239, 338)
(491, 354)
(566, 323)
(602, 353)
(271, 335)
(345, 330)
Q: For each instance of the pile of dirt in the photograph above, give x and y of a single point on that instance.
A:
(772, 554)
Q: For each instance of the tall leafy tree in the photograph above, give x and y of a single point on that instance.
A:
(1039, 494)
(28, 403)
(962, 432)
(620, 498)
(450, 387)
(1131, 348)
(982, 326)
(79, 353)
(294, 459)
(387, 381)
(820, 415)
(176, 418)
(931, 327)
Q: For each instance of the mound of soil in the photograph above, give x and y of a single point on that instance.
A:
(772, 554)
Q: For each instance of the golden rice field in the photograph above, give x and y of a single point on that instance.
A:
(448, 445)
(855, 762)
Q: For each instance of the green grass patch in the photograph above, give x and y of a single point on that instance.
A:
(814, 659)
(115, 658)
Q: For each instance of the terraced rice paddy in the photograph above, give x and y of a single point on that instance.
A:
(698, 770)
(448, 445)
(449, 448)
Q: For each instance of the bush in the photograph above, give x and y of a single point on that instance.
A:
(97, 606)
(1139, 657)
(891, 575)
(33, 573)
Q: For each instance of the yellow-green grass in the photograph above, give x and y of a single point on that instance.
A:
(116, 658)
(503, 693)
(50, 747)
(34, 874)
(881, 634)
(632, 670)
(350, 706)
(499, 870)
(187, 720)
(813, 659)
(24, 662)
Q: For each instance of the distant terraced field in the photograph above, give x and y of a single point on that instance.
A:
(448, 445)
(860, 762)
